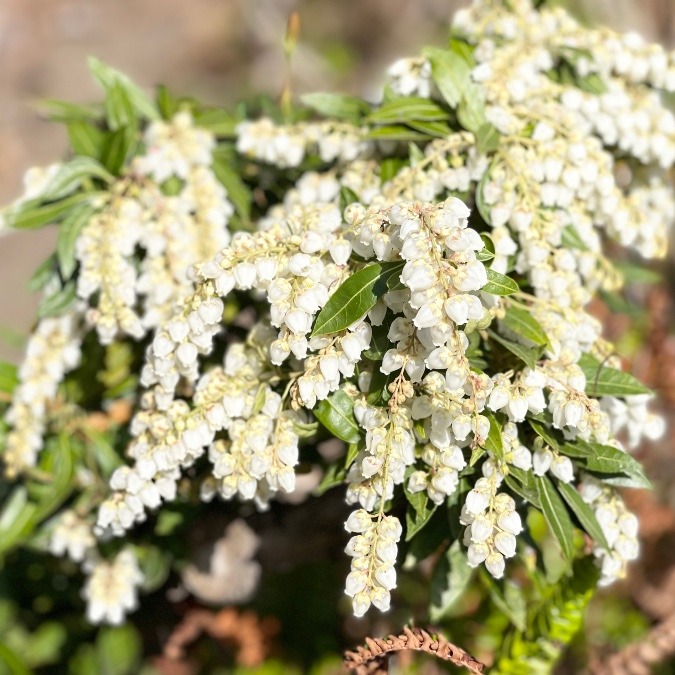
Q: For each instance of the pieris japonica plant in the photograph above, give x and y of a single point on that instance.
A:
(411, 277)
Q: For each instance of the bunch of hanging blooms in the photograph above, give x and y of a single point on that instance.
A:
(410, 277)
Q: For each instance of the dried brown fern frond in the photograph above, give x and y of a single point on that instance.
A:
(373, 659)
(249, 634)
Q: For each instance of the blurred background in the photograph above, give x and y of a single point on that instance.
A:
(218, 50)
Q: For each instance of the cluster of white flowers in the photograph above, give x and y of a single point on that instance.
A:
(52, 351)
(492, 524)
(373, 550)
(619, 526)
(111, 588)
(549, 191)
(287, 146)
(174, 231)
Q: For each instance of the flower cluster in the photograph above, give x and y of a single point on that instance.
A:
(425, 303)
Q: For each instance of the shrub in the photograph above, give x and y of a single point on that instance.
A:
(230, 291)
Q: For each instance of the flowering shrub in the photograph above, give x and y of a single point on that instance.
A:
(411, 278)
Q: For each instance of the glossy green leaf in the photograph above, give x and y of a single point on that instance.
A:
(522, 483)
(499, 284)
(583, 512)
(431, 129)
(556, 515)
(493, 442)
(522, 323)
(69, 231)
(403, 110)
(546, 434)
(450, 73)
(528, 355)
(336, 413)
(618, 466)
(419, 512)
(604, 381)
(508, 597)
(355, 296)
(337, 106)
(65, 111)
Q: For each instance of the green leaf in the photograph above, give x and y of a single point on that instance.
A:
(336, 413)
(109, 78)
(409, 109)
(389, 167)
(8, 377)
(418, 514)
(85, 139)
(604, 381)
(396, 132)
(69, 231)
(30, 216)
(583, 512)
(499, 284)
(522, 483)
(379, 343)
(119, 109)
(545, 433)
(155, 565)
(611, 461)
(528, 355)
(508, 597)
(637, 274)
(218, 121)
(45, 272)
(379, 393)
(65, 111)
(493, 442)
(237, 192)
(450, 580)
(556, 514)
(347, 197)
(488, 253)
(471, 110)
(118, 146)
(522, 323)
(62, 471)
(487, 138)
(355, 296)
(337, 106)
(431, 129)
(450, 73)
(16, 519)
(167, 104)
(118, 650)
(15, 664)
(591, 83)
(571, 239)
(334, 476)
(59, 302)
